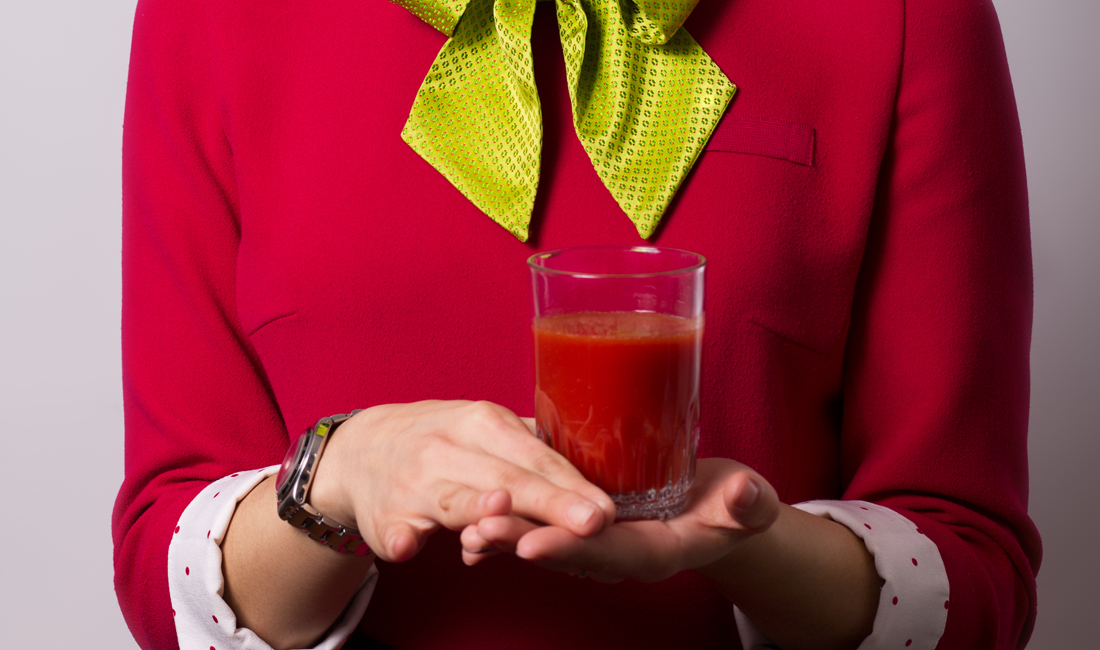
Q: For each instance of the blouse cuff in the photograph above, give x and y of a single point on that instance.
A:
(204, 621)
(912, 606)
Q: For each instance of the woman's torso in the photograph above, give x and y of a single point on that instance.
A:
(364, 277)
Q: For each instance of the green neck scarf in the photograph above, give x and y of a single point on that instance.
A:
(645, 95)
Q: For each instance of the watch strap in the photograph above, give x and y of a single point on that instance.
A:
(325, 531)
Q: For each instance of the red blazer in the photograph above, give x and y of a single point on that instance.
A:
(862, 205)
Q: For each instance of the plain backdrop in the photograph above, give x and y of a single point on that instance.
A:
(62, 82)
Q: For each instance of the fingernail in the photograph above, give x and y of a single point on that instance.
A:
(748, 496)
(581, 514)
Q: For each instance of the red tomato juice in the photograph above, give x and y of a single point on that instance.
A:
(617, 393)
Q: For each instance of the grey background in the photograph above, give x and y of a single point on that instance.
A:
(62, 82)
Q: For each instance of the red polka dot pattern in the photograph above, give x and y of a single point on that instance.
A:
(895, 600)
(914, 561)
(946, 603)
(192, 617)
(868, 526)
(909, 643)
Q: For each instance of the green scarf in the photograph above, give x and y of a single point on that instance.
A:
(645, 100)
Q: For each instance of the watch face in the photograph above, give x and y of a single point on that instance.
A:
(290, 463)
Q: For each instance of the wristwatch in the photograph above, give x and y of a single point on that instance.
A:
(295, 480)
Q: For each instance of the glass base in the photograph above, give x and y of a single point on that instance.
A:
(661, 504)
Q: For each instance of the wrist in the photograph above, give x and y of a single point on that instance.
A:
(295, 490)
(736, 571)
(806, 582)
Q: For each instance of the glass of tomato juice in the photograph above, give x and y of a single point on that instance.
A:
(618, 346)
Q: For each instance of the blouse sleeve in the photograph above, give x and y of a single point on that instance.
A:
(197, 403)
(913, 603)
(935, 396)
(195, 581)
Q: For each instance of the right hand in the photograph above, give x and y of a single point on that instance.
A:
(398, 472)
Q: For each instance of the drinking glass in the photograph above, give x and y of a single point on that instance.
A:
(618, 345)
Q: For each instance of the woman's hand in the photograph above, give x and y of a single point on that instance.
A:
(803, 580)
(728, 503)
(398, 472)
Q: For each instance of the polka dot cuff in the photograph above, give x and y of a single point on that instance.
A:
(912, 607)
(203, 619)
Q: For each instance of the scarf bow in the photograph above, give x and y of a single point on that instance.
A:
(645, 98)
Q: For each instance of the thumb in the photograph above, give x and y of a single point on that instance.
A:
(751, 501)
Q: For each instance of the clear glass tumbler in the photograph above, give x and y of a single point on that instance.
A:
(618, 345)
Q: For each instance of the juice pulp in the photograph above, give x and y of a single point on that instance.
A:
(617, 393)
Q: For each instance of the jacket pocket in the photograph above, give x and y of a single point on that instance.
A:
(763, 136)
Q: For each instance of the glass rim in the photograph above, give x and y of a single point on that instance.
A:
(534, 259)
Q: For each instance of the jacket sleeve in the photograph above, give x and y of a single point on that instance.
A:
(935, 407)
(197, 404)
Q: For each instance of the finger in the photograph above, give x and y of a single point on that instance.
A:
(504, 532)
(533, 455)
(492, 536)
(501, 433)
(752, 502)
(475, 548)
(495, 503)
(472, 541)
(456, 506)
(645, 550)
(400, 541)
(532, 495)
(559, 550)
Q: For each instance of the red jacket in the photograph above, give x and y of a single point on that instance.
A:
(862, 206)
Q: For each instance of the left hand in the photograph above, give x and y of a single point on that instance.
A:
(728, 504)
